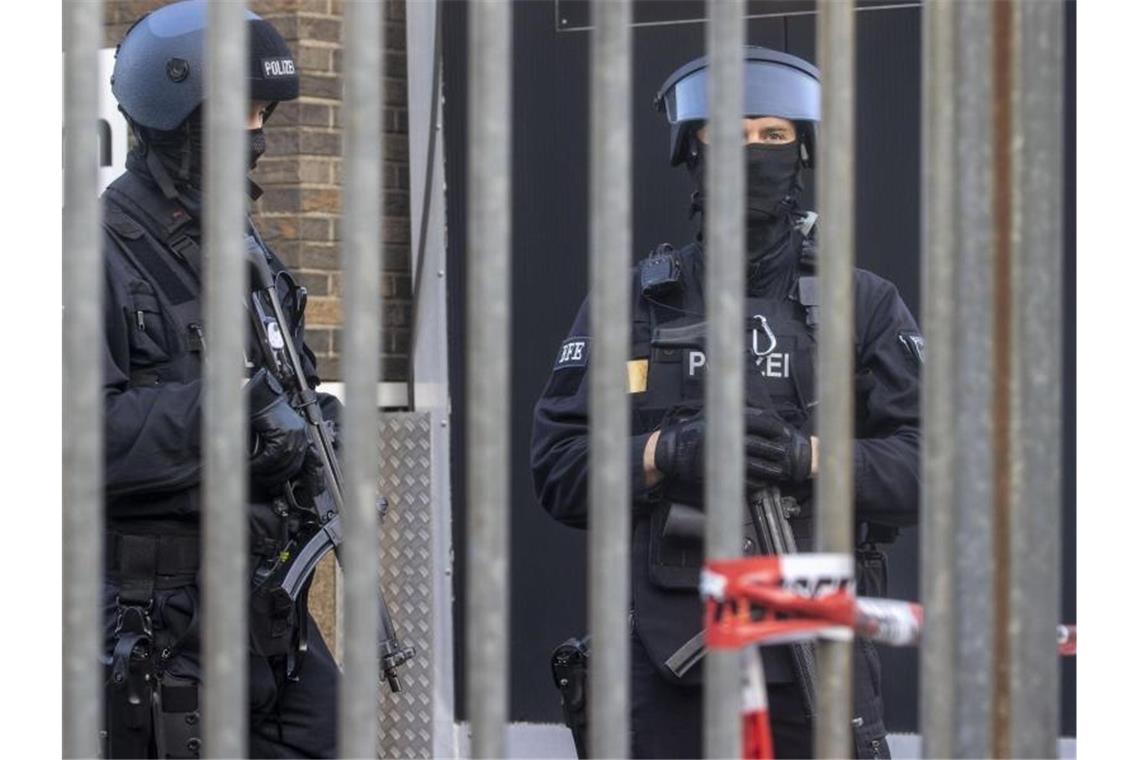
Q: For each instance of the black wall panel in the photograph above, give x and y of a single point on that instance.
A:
(550, 237)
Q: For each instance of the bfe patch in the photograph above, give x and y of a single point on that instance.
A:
(575, 352)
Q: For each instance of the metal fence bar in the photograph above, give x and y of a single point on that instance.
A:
(835, 523)
(488, 322)
(1037, 138)
(361, 263)
(724, 454)
(610, 238)
(974, 381)
(224, 530)
(939, 688)
(82, 386)
(1003, 382)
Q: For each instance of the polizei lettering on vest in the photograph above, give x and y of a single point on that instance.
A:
(774, 365)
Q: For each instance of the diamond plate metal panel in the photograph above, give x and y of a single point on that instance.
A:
(406, 576)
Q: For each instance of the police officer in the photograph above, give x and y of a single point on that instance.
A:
(153, 394)
(666, 386)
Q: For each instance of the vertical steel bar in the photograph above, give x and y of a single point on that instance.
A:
(488, 356)
(224, 529)
(361, 263)
(937, 519)
(610, 235)
(724, 454)
(1037, 139)
(82, 386)
(974, 382)
(835, 523)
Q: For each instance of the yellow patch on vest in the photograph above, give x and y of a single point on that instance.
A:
(637, 370)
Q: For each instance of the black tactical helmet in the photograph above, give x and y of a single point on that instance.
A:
(159, 75)
(775, 84)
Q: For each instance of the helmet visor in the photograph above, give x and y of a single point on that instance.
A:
(771, 89)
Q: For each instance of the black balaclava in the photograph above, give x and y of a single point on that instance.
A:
(773, 189)
(173, 160)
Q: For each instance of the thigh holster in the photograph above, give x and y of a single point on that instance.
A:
(149, 712)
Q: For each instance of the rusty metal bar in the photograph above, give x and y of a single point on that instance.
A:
(82, 386)
(361, 263)
(724, 454)
(610, 235)
(224, 521)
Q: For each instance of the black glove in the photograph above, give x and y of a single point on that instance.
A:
(680, 453)
(776, 451)
(280, 440)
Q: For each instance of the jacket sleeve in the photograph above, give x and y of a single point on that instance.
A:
(559, 451)
(152, 433)
(888, 372)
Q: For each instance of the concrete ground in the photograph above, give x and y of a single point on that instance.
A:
(547, 740)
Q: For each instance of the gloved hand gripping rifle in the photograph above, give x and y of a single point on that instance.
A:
(769, 513)
(316, 505)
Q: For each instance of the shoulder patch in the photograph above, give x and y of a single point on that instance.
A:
(122, 224)
(915, 346)
(575, 352)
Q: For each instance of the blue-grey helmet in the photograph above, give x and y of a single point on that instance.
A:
(775, 84)
(159, 75)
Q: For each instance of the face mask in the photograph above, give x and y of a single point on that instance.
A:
(257, 146)
(773, 175)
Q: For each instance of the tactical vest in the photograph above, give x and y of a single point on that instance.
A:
(780, 346)
(157, 239)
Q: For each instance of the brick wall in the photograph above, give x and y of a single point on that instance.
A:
(301, 172)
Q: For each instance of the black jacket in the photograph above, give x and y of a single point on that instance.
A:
(152, 370)
(887, 372)
(666, 611)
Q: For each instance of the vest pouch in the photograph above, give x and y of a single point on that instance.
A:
(149, 343)
(666, 377)
(676, 546)
(870, 742)
(272, 622)
(870, 733)
(870, 571)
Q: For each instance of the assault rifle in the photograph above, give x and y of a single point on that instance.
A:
(315, 505)
(768, 512)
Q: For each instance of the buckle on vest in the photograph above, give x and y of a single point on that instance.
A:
(184, 248)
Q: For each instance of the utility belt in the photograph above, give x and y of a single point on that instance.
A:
(141, 564)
